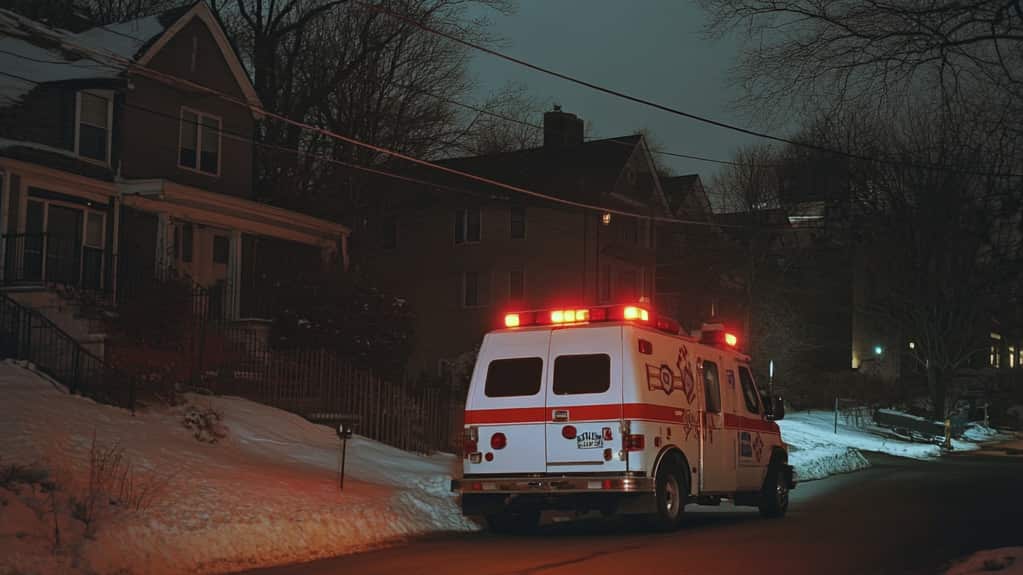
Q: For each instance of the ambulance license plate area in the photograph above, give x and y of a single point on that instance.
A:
(589, 440)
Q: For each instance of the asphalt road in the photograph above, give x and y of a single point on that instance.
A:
(900, 516)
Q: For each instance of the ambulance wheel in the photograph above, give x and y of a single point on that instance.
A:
(774, 497)
(517, 522)
(671, 496)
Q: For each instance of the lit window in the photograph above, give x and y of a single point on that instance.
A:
(199, 147)
(995, 359)
(93, 133)
(1012, 356)
(467, 226)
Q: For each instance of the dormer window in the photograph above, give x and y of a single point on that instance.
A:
(93, 126)
(199, 147)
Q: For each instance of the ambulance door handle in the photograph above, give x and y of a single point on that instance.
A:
(560, 415)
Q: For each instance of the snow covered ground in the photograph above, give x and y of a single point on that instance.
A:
(817, 451)
(1004, 561)
(265, 494)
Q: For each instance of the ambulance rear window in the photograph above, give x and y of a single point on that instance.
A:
(575, 374)
(514, 377)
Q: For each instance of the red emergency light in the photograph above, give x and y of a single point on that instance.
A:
(715, 334)
(578, 315)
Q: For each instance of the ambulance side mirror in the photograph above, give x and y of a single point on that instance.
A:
(774, 408)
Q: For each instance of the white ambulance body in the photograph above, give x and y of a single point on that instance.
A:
(611, 409)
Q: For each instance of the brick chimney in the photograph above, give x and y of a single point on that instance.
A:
(561, 129)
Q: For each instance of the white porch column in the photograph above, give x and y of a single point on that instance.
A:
(234, 275)
(163, 245)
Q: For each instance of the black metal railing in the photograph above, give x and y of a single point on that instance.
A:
(52, 259)
(26, 334)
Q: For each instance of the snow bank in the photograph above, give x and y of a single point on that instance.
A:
(817, 451)
(1004, 561)
(266, 494)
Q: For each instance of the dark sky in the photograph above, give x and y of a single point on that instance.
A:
(651, 49)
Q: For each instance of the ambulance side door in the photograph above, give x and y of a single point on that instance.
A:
(718, 465)
(754, 454)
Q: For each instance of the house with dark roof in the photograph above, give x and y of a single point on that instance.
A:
(473, 250)
(126, 150)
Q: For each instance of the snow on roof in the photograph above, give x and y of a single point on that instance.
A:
(40, 53)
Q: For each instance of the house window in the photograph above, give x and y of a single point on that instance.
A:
(92, 139)
(516, 285)
(199, 142)
(467, 226)
(518, 222)
(221, 249)
(94, 230)
(475, 290)
(1012, 356)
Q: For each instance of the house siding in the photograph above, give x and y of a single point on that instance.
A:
(153, 109)
(561, 258)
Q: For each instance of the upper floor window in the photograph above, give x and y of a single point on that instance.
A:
(92, 130)
(199, 142)
(518, 222)
(475, 289)
(467, 226)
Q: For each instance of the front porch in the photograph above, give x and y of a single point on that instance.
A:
(77, 234)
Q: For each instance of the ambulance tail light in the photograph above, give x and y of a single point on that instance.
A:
(634, 442)
(470, 441)
(498, 441)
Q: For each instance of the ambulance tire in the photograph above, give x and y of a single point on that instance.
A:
(513, 522)
(774, 497)
(670, 497)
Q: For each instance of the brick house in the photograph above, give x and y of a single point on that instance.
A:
(464, 252)
(108, 175)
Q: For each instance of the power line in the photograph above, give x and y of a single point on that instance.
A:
(650, 103)
(174, 80)
(506, 118)
(171, 79)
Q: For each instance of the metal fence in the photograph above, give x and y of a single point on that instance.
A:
(323, 386)
(26, 334)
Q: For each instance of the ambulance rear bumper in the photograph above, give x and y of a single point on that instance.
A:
(554, 484)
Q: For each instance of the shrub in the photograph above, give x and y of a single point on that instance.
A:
(205, 424)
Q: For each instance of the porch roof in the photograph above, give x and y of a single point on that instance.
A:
(246, 216)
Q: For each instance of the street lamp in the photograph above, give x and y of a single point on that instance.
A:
(878, 350)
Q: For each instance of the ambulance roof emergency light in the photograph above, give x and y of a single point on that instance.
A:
(631, 313)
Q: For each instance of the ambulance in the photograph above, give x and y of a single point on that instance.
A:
(614, 409)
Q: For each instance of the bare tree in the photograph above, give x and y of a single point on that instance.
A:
(355, 71)
(508, 120)
(873, 53)
(942, 248)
